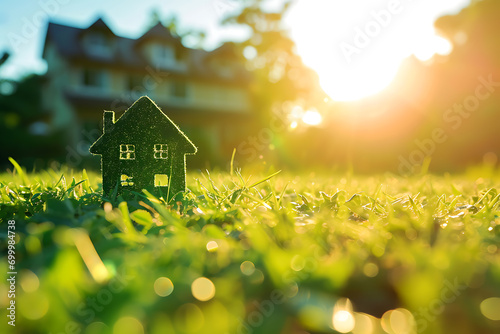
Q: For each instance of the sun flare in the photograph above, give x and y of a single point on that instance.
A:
(357, 49)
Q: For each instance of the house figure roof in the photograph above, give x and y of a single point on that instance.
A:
(145, 118)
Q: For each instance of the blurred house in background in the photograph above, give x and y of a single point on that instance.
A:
(91, 70)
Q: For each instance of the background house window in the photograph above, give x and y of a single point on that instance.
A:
(163, 56)
(225, 69)
(161, 151)
(127, 152)
(161, 180)
(181, 55)
(179, 89)
(94, 78)
(166, 52)
(98, 44)
(126, 180)
(135, 83)
(168, 57)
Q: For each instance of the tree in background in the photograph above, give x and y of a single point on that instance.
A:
(190, 37)
(25, 133)
(281, 81)
(440, 94)
(4, 58)
(470, 115)
(395, 128)
(270, 54)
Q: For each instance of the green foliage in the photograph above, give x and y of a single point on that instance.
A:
(19, 111)
(280, 250)
(4, 58)
(278, 71)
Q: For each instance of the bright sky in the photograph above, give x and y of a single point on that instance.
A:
(356, 46)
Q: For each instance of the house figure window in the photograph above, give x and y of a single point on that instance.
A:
(135, 83)
(161, 180)
(126, 180)
(160, 151)
(99, 45)
(95, 78)
(179, 90)
(127, 152)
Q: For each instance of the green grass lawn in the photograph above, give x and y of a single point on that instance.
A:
(304, 253)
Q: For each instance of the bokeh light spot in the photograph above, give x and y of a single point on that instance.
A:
(370, 269)
(163, 286)
(492, 249)
(33, 244)
(189, 318)
(249, 52)
(128, 325)
(29, 281)
(343, 321)
(398, 321)
(343, 318)
(364, 324)
(203, 289)
(490, 308)
(402, 321)
(386, 322)
(257, 277)
(312, 117)
(34, 305)
(247, 268)
(212, 246)
(291, 290)
(298, 263)
(96, 328)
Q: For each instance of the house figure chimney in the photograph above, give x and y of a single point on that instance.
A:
(109, 120)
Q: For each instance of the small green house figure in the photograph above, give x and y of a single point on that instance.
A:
(143, 149)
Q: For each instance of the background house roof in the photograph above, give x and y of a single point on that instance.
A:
(128, 52)
(68, 42)
(100, 25)
(159, 31)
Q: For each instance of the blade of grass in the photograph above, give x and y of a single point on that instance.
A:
(86, 184)
(282, 193)
(232, 162)
(258, 200)
(20, 171)
(264, 179)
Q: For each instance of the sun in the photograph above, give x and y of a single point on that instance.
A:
(357, 49)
